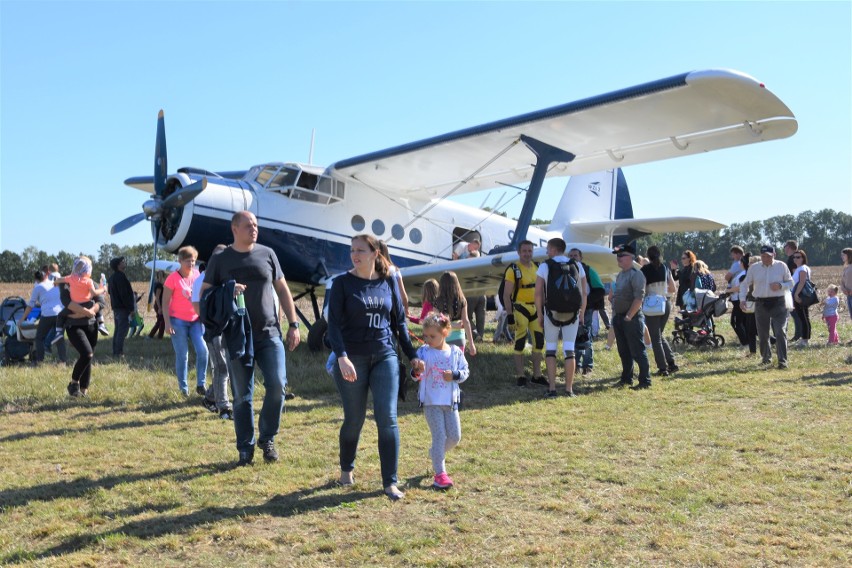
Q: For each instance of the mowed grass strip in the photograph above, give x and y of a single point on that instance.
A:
(724, 464)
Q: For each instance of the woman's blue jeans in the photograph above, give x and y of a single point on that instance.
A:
(184, 332)
(379, 374)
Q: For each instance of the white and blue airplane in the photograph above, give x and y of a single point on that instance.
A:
(308, 214)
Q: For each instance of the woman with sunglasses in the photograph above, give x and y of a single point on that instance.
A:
(683, 275)
(801, 275)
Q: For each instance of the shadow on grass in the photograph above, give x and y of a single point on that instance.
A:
(829, 379)
(326, 496)
(80, 486)
(184, 417)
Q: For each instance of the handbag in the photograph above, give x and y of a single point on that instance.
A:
(654, 305)
(809, 294)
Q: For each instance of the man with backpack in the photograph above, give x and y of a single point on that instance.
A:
(518, 296)
(628, 321)
(560, 301)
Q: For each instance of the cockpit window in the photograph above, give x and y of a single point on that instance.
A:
(266, 174)
(286, 177)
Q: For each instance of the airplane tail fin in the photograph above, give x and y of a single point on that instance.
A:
(590, 198)
(596, 208)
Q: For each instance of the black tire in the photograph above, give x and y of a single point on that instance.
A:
(720, 340)
(316, 335)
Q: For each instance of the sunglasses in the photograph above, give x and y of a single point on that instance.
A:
(797, 256)
(623, 255)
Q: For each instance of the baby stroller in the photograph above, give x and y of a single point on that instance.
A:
(16, 337)
(697, 327)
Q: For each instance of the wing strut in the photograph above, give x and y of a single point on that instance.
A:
(545, 155)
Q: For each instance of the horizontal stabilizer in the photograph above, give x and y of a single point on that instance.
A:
(617, 227)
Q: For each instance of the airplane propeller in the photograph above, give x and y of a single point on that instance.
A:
(161, 207)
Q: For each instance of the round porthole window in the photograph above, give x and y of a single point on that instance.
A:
(378, 227)
(397, 231)
(358, 223)
(416, 236)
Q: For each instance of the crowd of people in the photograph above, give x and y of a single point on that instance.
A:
(229, 311)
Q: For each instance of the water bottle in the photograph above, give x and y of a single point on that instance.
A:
(241, 304)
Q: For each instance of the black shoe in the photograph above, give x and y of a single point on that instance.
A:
(289, 396)
(522, 381)
(642, 385)
(662, 373)
(209, 404)
(624, 383)
(226, 414)
(246, 458)
(270, 454)
(570, 394)
(200, 390)
(587, 371)
(539, 381)
(74, 389)
(551, 394)
(673, 368)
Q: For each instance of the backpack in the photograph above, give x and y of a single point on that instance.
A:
(563, 294)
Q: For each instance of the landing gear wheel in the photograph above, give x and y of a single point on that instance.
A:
(317, 334)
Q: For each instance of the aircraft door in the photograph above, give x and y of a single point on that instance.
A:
(243, 199)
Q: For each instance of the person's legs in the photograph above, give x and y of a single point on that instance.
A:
(761, 320)
(667, 348)
(83, 339)
(805, 317)
(270, 357)
(122, 326)
(569, 335)
(635, 332)
(180, 342)
(353, 396)
(196, 334)
(751, 332)
(435, 420)
(831, 323)
(778, 319)
(219, 384)
(619, 329)
(384, 385)
(653, 323)
(797, 326)
(551, 341)
(45, 326)
(242, 391)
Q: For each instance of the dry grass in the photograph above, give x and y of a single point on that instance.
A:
(723, 465)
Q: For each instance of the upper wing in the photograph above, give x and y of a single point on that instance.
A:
(482, 275)
(687, 114)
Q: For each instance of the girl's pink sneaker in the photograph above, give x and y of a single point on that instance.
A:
(442, 481)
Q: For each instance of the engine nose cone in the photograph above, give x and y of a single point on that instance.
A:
(153, 208)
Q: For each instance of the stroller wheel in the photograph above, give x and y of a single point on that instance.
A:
(720, 340)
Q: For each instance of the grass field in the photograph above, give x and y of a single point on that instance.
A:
(723, 464)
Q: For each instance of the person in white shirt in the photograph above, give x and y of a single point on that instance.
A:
(770, 280)
(801, 275)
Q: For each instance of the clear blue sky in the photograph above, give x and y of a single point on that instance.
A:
(243, 83)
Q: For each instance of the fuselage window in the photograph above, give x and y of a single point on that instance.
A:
(358, 223)
(415, 235)
(378, 227)
(397, 231)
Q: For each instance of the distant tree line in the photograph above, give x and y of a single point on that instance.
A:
(822, 235)
(16, 267)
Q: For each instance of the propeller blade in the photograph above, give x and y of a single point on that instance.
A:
(153, 266)
(127, 223)
(161, 165)
(186, 194)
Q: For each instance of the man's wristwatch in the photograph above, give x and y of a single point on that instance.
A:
(294, 325)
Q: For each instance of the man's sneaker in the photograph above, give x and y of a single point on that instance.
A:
(270, 454)
(289, 396)
(200, 390)
(246, 457)
(570, 394)
(347, 478)
(442, 481)
(209, 404)
(551, 394)
(74, 388)
(393, 493)
(226, 414)
(642, 385)
(587, 371)
(522, 381)
(539, 381)
(624, 383)
(60, 333)
(102, 329)
(673, 368)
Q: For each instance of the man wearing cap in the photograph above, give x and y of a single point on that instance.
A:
(122, 299)
(466, 250)
(628, 321)
(770, 279)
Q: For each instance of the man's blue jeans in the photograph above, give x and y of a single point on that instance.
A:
(184, 332)
(630, 339)
(379, 374)
(122, 326)
(269, 355)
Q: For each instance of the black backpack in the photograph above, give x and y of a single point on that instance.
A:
(563, 292)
